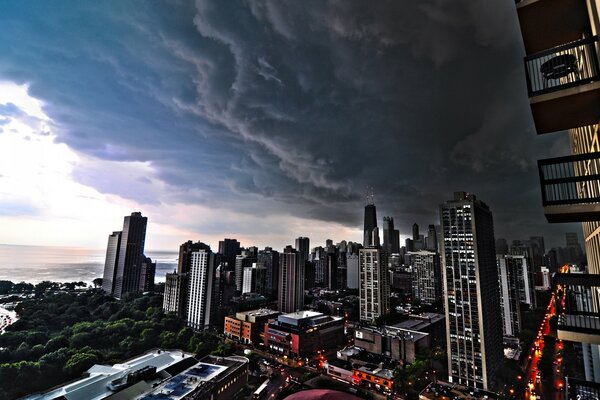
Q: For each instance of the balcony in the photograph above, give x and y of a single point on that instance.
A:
(564, 85)
(571, 188)
(549, 23)
(578, 319)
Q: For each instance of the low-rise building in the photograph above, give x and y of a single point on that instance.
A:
(443, 391)
(374, 376)
(339, 369)
(248, 326)
(165, 375)
(395, 343)
(303, 333)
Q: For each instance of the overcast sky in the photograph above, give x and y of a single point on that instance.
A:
(262, 120)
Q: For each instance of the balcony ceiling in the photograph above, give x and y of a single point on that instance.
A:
(549, 23)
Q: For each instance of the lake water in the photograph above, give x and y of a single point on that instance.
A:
(67, 264)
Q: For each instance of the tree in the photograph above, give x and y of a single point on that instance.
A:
(97, 283)
(79, 362)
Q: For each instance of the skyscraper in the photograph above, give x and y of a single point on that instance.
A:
(426, 276)
(374, 290)
(432, 242)
(371, 231)
(303, 248)
(508, 275)
(200, 301)
(125, 264)
(374, 287)
(291, 281)
(110, 264)
(243, 260)
(185, 255)
(269, 258)
(472, 300)
(228, 249)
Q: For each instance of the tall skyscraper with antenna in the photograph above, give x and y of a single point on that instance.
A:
(374, 287)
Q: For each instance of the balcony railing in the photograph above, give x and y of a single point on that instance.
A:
(561, 67)
(577, 389)
(570, 180)
(578, 318)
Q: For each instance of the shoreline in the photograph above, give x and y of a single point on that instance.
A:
(7, 318)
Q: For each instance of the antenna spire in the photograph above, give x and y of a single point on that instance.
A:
(369, 196)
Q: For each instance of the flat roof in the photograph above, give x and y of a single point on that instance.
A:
(377, 371)
(177, 375)
(302, 314)
(95, 386)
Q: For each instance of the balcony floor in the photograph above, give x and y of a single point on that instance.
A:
(566, 109)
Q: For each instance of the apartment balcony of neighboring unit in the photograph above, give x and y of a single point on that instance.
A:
(571, 187)
(550, 23)
(563, 83)
(576, 307)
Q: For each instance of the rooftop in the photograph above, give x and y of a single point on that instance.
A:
(377, 370)
(164, 375)
(251, 314)
(443, 391)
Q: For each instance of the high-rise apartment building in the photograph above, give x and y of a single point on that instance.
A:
(472, 303)
(131, 254)
(269, 258)
(243, 260)
(431, 243)
(510, 281)
(201, 296)
(228, 250)
(291, 281)
(125, 256)
(426, 276)
(563, 83)
(185, 255)
(391, 238)
(374, 287)
(110, 264)
(147, 273)
(176, 294)
(303, 248)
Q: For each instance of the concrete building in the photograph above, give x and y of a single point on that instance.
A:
(401, 342)
(352, 271)
(124, 257)
(303, 333)
(111, 261)
(243, 260)
(147, 273)
(472, 297)
(291, 281)
(269, 258)
(201, 303)
(176, 294)
(508, 276)
(158, 374)
(228, 250)
(374, 290)
(374, 376)
(248, 326)
(426, 276)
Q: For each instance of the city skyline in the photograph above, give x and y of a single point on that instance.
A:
(163, 97)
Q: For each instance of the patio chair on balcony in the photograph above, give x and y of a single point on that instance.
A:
(559, 67)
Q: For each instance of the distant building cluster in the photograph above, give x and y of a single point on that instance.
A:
(294, 303)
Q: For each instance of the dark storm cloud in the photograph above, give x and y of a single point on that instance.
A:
(294, 107)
